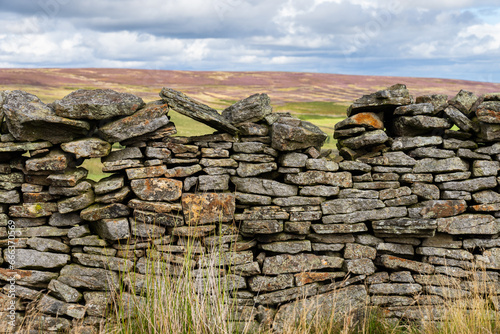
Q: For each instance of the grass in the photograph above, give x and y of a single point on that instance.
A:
(313, 108)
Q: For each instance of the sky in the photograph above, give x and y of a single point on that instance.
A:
(457, 39)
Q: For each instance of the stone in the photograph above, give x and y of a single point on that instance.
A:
(29, 119)
(356, 251)
(394, 262)
(253, 129)
(425, 190)
(288, 247)
(366, 139)
(297, 201)
(390, 159)
(486, 197)
(82, 231)
(286, 137)
(207, 208)
(287, 263)
(349, 205)
(103, 261)
(164, 219)
(124, 154)
(367, 120)
(32, 259)
(218, 162)
(414, 227)
(313, 177)
(193, 231)
(415, 109)
(437, 209)
(96, 104)
(76, 203)
(358, 193)
(268, 226)
(431, 152)
(32, 210)
(489, 150)
(442, 240)
(196, 110)
(355, 166)
(157, 189)
(482, 168)
(158, 153)
(207, 152)
(299, 227)
(469, 224)
(23, 146)
(249, 169)
(330, 238)
(384, 100)
(9, 197)
(45, 244)
(430, 165)
(31, 278)
(471, 185)
(395, 289)
(264, 187)
(468, 154)
(79, 189)
(281, 296)
(144, 230)
(293, 159)
(181, 171)
(339, 228)
(394, 248)
(136, 173)
(247, 157)
(251, 199)
(54, 161)
(402, 201)
(159, 207)
(489, 132)
(321, 191)
(409, 143)
(213, 182)
(361, 216)
(114, 197)
(70, 177)
(463, 101)
(456, 195)
(457, 254)
(344, 301)
(64, 291)
(252, 109)
(102, 211)
(489, 112)
(113, 229)
(452, 176)
(419, 125)
(460, 120)
(393, 193)
(297, 216)
(78, 276)
(87, 148)
(360, 266)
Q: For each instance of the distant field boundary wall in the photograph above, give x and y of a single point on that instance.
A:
(410, 196)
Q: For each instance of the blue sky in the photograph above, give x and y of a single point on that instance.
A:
(435, 38)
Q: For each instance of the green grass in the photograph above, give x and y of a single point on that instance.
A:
(315, 108)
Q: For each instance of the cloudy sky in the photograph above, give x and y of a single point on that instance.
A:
(426, 38)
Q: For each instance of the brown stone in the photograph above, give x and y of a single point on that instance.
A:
(208, 208)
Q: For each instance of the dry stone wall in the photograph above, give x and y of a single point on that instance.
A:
(411, 197)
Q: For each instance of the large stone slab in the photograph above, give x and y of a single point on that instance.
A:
(384, 100)
(366, 139)
(29, 119)
(437, 209)
(418, 125)
(391, 159)
(287, 263)
(148, 119)
(96, 104)
(87, 148)
(430, 165)
(408, 227)
(291, 136)
(196, 110)
(208, 208)
(264, 187)
(33, 259)
(489, 112)
(315, 177)
(348, 205)
(78, 276)
(102, 211)
(471, 185)
(252, 109)
(158, 189)
(460, 120)
(469, 224)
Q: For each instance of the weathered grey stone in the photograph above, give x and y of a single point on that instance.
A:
(64, 291)
(356, 251)
(489, 132)
(219, 162)
(442, 240)
(437, 209)
(45, 244)
(447, 194)
(114, 197)
(366, 139)
(253, 129)
(457, 254)
(197, 111)
(78, 276)
(455, 144)
(297, 201)
(404, 227)
(76, 203)
(286, 295)
(264, 187)
(154, 218)
(86, 240)
(482, 168)
(490, 150)
(55, 160)
(261, 226)
(331, 238)
(9, 197)
(322, 191)
(102, 211)
(357, 193)
(415, 109)
(394, 262)
(361, 216)
(87, 148)
(193, 231)
(134, 173)
(463, 101)
(293, 159)
(355, 166)
(393, 248)
(425, 190)
(80, 188)
(408, 143)
(252, 109)
(310, 178)
(390, 159)
(143, 230)
(388, 99)
(248, 169)
(96, 104)
(360, 266)
(431, 152)
(393, 193)
(208, 208)
(247, 158)
(286, 263)
(103, 261)
(385, 177)
(289, 247)
(251, 199)
(160, 207)
(287, 137)
(23, 146)
(113, 229)
(207, 152)
(41, 231)
(32, 259)
(124, 154)
(213, 182)
(157, 189)
(489, 112)
(469, 224)
(349, 205)
(32, 278)
(79, 232)
(470, 185)
(29, 119)
(460, 120)
(429, 165)
(344, 301)
(32, 210)
(419, 125)
(452, 176)
(468, 154)
(338, 228)
(395, 289)
(266, 284)
(297, 216)
(486, 197)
